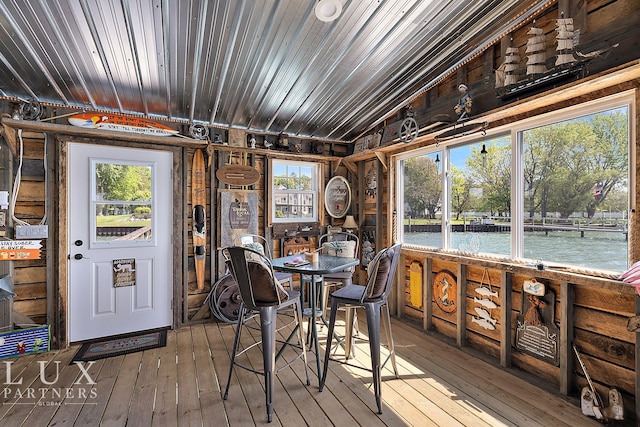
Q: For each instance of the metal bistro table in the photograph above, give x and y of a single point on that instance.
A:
(326, 264)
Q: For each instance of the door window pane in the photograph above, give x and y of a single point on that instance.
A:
(122, 202)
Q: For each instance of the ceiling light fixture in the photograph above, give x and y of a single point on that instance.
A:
(328, 10)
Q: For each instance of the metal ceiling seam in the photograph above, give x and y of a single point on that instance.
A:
(415, 39)
(197, 57)
(334, 65)
(256, 65)
(65, 47)
(227, 57)
(347, 104)
(407, 83)
(126, 12)
(301, 74)
(86, 10)
(23, 38)
(295, 36)
(245, 46)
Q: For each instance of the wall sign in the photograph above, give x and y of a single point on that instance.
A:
(240, 215)
(124, 272)
(337, 197)
(16, 250)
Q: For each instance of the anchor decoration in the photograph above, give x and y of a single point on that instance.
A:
(444, 291)
(484, 318)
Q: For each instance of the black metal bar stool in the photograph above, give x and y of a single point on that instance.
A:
(261, 293)
(373, 297)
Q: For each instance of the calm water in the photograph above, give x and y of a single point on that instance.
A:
(596, 250)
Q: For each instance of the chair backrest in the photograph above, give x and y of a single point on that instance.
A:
(382, 271)
(254, 275)
(254, 241)
(339, 243)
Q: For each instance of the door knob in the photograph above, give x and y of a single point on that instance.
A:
(78, 256)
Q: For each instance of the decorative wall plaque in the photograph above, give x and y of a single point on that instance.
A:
(337, 197)
(240, 215)
(124, 272)
(445, 293)
(536, 332)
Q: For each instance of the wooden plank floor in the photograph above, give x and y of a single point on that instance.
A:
(182, 385)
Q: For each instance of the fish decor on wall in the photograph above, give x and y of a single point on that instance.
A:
(486, 304)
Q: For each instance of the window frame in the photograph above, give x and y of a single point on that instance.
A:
(316, 172)
(515, 131)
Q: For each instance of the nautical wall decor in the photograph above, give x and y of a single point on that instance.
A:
(415, 284)
(245, 219)
(536, 332)
(445, 293)
(485, 304)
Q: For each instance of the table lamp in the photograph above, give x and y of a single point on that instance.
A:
(350, 224)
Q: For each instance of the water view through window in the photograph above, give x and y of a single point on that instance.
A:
(572, 186)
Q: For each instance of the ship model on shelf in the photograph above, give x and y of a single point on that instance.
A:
(569, 63)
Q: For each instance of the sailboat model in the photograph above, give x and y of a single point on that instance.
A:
(535, 52)
(564, 42)
(511, 61)
(537, 75)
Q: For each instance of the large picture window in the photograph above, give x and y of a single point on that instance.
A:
(294, 191)
(554, 189)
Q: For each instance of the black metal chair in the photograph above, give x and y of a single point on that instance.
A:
(259, 243)
(373, 297)
(262, 294)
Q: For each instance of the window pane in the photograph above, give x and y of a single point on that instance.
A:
(422, 200)
(576, 191)
(294, 205)
(122, 202)
(294, 195)
(480, 202)
(123, 182)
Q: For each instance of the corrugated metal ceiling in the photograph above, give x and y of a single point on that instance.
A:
(263, 65)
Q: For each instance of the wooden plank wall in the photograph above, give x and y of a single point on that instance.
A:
(30, 276)
(598, 320)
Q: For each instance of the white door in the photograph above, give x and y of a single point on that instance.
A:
(120, 228)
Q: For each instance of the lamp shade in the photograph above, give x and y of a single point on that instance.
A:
(349, 223)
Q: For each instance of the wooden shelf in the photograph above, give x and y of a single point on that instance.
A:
(12, 126)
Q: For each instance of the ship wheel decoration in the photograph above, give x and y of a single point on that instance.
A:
(225, 299)
(30, 110)
(408, 130)
(198, 131)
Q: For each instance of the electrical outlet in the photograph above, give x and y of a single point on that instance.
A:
(32, 231)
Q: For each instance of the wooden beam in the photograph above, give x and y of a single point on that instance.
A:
(427, 294)
(505, 318)
(566, 337)
(383, 158)
(461, 310)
